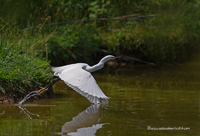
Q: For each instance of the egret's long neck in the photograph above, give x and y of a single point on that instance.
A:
(95, 67)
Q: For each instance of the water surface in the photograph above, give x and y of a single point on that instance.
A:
(142, 98)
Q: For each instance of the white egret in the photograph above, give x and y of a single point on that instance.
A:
(78, 76)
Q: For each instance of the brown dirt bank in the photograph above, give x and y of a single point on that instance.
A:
(16, 96)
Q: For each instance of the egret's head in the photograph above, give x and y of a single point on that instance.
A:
(107, 58)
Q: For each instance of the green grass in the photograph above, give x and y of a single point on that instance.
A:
(170, 36)
(18, 72)
(26, 54)
(22, 65)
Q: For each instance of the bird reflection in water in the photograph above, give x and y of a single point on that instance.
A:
(28, 113)
(85, 123)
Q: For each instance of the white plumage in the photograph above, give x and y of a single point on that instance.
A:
(78, 77)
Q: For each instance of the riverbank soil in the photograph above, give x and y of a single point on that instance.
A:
(16, 96)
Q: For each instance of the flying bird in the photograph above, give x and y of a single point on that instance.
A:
(78, 76)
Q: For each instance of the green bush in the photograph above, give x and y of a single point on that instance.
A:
(170, 36)
(72, 43)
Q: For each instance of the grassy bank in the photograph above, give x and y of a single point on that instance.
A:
(26, 54)
(22, 65)
(170, 35)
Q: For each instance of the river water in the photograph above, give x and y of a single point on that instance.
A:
(145, 101)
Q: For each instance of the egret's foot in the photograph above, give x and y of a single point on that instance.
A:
(41, 91)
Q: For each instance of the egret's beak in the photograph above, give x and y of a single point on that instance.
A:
(118, 58)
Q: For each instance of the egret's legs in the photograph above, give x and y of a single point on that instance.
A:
(42, 90)
(39, 92)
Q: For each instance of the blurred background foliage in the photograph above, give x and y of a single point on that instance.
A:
(161, 31)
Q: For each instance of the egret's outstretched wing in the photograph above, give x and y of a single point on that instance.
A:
(82, 82)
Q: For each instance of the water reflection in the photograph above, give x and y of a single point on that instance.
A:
(85, 123)
(29, 114)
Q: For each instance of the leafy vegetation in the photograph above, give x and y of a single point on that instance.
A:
(21, 64)
(170, 36)
(29, 42)
(72, 43)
